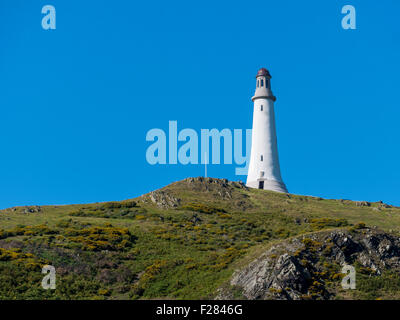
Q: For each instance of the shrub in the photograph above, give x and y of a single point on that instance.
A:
(117, 205)
(360, 225)
(27, 260)
(27, 231)
(321, 223)
(129, 204)
(101, 238)
(111, 205)
(311, 244)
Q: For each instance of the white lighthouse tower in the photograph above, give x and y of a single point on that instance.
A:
(264, 171)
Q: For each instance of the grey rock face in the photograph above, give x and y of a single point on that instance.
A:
(222, 188)
(163, 199)
(209, 182)
(363, 204)
(219, 188)
(294, 269)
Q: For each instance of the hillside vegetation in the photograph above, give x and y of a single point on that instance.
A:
(183, 241)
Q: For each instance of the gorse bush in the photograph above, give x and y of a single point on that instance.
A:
(373, 286)
(321, 223)
(27, 231)
(101, 238)
(27, 260)
(358, 226)
(118, 205)
(83, 236)
(113, 210)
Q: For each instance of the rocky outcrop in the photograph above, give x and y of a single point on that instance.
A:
(304, 266)
(163, 199)
(24, 209)
(363, 204)
(224, 183)
(221, 188)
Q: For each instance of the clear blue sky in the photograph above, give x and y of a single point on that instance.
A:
(76, 103)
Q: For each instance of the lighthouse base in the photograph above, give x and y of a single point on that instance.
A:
(265, 184)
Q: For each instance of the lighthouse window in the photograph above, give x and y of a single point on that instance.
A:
(261, 108)
(262, 82)
(266, 83)
(262, 158)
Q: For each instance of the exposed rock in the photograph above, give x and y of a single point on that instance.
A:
(363, 204)
(219, 182)
(218, 187)
(296, 268)
(25, 209)
(32, 209)
(163, 199)
(221, 188)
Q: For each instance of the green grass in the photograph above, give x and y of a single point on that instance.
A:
(182, 252)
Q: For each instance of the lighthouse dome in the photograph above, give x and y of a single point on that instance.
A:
(263, 72)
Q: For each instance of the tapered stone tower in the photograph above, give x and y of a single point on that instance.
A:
(264, 170)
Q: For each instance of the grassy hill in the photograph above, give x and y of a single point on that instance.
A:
(183, 241)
